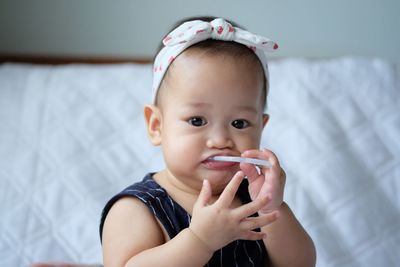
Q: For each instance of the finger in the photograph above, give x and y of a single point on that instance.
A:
(205, 193)
(252, 223)
(274, 174)
(252, 235)
(230, 190)
(276, 181)
(251, 208)
(262, 154)
(250, 171)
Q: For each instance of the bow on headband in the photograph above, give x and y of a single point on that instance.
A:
(192, 32)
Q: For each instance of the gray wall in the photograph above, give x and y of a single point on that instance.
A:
(310, 28)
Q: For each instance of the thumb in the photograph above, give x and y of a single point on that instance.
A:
(205, 193)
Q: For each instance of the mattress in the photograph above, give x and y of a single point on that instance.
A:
(72, 136)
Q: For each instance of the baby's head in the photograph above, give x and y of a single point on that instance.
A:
(209, 99)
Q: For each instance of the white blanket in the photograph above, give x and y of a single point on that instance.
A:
(72, 136)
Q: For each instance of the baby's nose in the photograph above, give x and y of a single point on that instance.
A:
(220, 138)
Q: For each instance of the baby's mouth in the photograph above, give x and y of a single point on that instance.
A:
(210, 163)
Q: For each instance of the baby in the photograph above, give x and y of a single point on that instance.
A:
(209, 95)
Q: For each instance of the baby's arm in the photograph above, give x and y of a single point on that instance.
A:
(133, 237)
(287, 243)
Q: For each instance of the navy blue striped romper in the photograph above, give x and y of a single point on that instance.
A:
(174, 218)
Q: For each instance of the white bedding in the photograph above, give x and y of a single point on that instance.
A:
(72, 136)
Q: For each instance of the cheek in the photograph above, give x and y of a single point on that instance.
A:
(179, 147)
(250, 140)
(248, 143)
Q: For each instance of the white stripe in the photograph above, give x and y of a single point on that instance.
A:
(142, 199)
(150, 194)
(139, 191)
(158, 189)
(172, 203)
(245, 249)
(154, 182)
(147, 203)
(159, 201)
(220, 258)
(133, 190)
(259, 247)
(234, 252)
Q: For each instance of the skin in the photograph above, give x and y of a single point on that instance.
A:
(208, 105)
(61, 264)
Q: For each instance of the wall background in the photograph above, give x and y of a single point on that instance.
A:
(128, 28)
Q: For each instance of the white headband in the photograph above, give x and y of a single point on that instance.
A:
(192, 32)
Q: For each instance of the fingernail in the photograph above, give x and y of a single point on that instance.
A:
(277, 214)
(264, 236)
(268, 197)
(245, 152)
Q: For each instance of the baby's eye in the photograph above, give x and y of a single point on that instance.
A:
(240, 124)
(197, 121)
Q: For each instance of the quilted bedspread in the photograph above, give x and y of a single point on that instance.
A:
(72, 136)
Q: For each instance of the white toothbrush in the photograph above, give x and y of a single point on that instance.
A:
(258, 162)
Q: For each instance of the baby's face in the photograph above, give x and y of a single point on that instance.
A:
(210, 106)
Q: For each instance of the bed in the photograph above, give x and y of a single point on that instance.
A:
(72, 135)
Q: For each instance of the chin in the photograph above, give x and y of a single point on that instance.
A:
(220, 180)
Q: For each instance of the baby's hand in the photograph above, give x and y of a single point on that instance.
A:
(269, 183)
(218, 224)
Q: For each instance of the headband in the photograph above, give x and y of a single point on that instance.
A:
(192, 32)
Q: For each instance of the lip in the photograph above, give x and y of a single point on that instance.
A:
(219, 165)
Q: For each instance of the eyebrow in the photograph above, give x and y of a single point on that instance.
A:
(206, 105)
(198, 104)
(247, 108)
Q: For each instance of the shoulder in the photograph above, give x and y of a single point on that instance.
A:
(127, 225)
(146, 191)
(129, 228)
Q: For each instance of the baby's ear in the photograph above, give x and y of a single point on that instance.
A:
(265, 119)
(152, 115)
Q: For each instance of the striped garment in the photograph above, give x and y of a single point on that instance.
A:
(174, 219)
